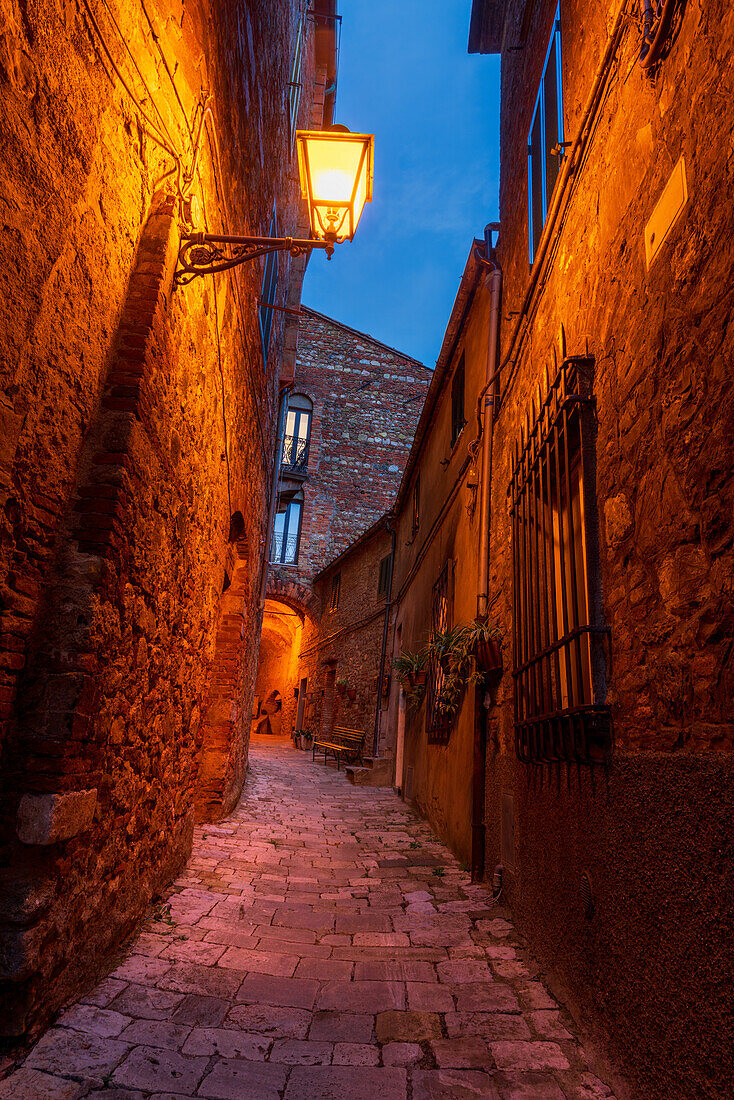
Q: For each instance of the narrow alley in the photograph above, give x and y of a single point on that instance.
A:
(320, 944)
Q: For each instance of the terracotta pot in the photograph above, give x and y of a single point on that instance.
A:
(352, 694)
(341, 688)
(415, 679)
(488, 655)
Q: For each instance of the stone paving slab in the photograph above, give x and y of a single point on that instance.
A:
(321, 944)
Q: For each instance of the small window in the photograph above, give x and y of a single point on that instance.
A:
(417, 502)
(336, 587)
(545, 140)
(295, 84)
(297, 436)
(437, 723)
(384, 578)
(287, 528)
(268, 292)
(560, 692)
(457, 403)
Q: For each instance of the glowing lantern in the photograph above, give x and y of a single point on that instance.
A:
(335, 167)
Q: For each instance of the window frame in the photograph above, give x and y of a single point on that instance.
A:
(438, 725)
(296, 499)
(458, 402)
(539, 111)
(416, 502)
(297, 445)
(384, 574)
(335, 593)
(268, 290)
(559, 664)
(295, 85)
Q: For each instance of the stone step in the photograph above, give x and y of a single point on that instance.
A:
(377, 772)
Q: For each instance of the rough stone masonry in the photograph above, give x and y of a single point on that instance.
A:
(137, 426)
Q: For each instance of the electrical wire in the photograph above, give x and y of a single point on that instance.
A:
(124, 40)
(224, 410)
(153, 131)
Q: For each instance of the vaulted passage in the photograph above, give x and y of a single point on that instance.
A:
(321, 943)
(280, 644)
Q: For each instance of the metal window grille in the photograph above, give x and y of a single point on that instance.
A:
(559, 662)
(336, 584)
(457, 402)
(438, 724)
(295, 452)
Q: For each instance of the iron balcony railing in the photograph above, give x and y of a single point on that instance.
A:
(295, 452)
(284, 550)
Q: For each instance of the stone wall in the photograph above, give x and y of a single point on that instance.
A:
(347, 646)
(649, 833)
(651, 829)
(138, 429)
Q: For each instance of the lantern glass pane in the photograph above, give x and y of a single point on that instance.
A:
(333, 166)
(336, 179)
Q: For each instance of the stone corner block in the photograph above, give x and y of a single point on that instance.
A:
(50, 818)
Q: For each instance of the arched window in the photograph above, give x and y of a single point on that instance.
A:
(287, 529)
(297, 433)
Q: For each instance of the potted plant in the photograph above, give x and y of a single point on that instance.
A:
(411, 668)
(307, 738)
(341, 685)
(352, 693)
(486, 644)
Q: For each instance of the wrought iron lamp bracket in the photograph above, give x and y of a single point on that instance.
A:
(656, 19)
(210, 253)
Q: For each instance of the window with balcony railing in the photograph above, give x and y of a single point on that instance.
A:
(287, 528)
(297, 438)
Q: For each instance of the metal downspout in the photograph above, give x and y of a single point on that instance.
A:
(385, 629)
(494, 279)
(479, 766)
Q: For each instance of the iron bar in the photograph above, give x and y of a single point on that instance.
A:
(560, 715)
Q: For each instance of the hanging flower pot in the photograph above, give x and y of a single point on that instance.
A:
(341, 686)
(352, 694)
(488, 654)
(418, 679)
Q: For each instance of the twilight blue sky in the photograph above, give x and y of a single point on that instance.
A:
(405, 75)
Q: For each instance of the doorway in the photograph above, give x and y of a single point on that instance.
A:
(301, 703)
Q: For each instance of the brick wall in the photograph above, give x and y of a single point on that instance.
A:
(366, 402)
(138, 422)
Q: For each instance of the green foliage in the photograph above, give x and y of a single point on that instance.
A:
(453, 653)
(408, 664)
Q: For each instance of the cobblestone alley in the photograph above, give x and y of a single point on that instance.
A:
(321, 944)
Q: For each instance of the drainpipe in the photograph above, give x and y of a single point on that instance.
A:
(494, 281)
(481, 714)
(385, 629)
(283, 402)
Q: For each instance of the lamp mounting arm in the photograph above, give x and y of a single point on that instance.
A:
(209, 253)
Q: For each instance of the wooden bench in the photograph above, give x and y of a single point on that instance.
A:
(343, 742)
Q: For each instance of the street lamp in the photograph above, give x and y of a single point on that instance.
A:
(335, 168)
